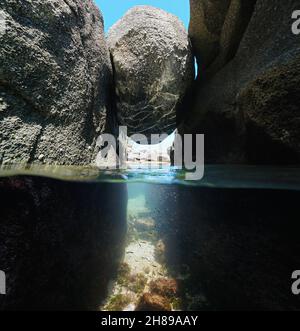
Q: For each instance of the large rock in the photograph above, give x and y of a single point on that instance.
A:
(60, 241)
(153, 302)
(153, 67)
(166, 287)
(249, 110)
(237, 248)
(55, 74)
(216, 28)
(207, 19)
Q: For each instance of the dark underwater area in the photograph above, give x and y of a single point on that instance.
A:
(228, 242)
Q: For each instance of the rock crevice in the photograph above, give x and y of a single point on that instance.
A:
(248, 107)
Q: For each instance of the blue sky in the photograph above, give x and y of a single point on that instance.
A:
(113, 10)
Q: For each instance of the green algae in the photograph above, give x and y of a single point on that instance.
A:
(118, 302)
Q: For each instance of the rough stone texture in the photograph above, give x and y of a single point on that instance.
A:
(216, 28)
(60, 242)
(249, 110)
(236, 21)
(153, 67)
(166, 287)
(55, 74)
(153, 302)
(236, 248)
(207, 19)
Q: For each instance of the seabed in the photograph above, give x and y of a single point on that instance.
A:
(143, 262)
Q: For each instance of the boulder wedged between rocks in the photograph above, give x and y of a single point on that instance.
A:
(153, 69)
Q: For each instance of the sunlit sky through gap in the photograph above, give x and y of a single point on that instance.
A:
(113, 10)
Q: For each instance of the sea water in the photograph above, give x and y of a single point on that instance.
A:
(229, 241)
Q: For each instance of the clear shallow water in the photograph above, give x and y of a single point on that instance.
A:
(218, 176)
(144, 261)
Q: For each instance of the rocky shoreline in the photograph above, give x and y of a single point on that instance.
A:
(63, 83)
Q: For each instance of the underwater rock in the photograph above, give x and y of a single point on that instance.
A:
(166, 287)
(153, 302)
(153, 68)
(160, 251)
(249, 109)
(144, 224)
(237, 247)
(55, 77)
(119, 302)
(60, 242)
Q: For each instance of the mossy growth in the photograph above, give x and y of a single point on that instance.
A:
(137, 283)
(133, 282)
(176, 303)
(124, 275)
(118, 302)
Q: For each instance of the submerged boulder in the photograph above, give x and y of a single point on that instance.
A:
(153, 302)
(236, 255)
(153, 68)
(60, 241)
(249, 108)
(55, 74)
(166, 287)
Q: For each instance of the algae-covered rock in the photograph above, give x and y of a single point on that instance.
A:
(166, 287)
(153, 302)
